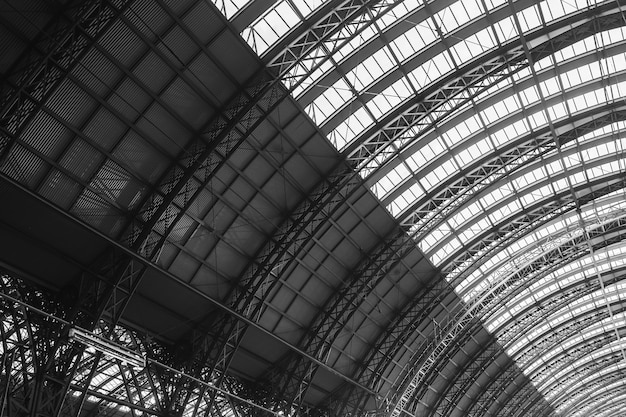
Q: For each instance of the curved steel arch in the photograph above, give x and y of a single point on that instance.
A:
(63, 51)
(608, 378)
(543, 50)
(150, 390)
(542, 214)
(306, 210)
(583, 348)
(589, 369)
(426, 304)
(515, 279)
(175, 192)
(434, 212)
(181, 185)
(296, 58)
(467, 374)
(457, 342)
(514, 197)
(500, 382)
(508, 61)
(465, 378)
(455, 189)
(562, 333)
(431, 298)
(606, 398)
(462, 323)
(547, 264)
(419, 310)
(549, 304)
(140, 243)
(457, 36)
(577, 352)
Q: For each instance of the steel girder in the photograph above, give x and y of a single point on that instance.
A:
(41, 74)
(163, 219)
(66, 52)
(344, 304)
(297, 56)
(53, 54)
(490, 392)
(309, 216)
(559, 364)
(430, 299)
(553, 306)
(606, 401)
(178, 189)
(458, 325)
(528, 402)
(451, 92)
(40, 383)
(33, 323)
(427, 354)
(611, 377)
(514, 157)
(541, 212)
(159, 212)
(288, 241)
(417, 312)
(505, 409)
(591, 369)
(466, 377)
(536, 268)
(474, 367)
(611, 117)
(500, 383)
(569, 329)
(491, 241)
(579, 125)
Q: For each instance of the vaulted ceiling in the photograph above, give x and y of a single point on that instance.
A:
(328, 208)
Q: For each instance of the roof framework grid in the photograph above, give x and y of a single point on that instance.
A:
(544, 13)
(315, 208)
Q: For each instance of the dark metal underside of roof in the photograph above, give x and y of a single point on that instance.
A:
(279, 208)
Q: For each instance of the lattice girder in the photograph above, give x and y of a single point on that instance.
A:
(343, 305)
(607, 402)
(492, 68)
(463, 186)
(468, 263)
(41, 72)
(294, 60)
(585, 393)
(584, 372)
(558, 255)
(97, 383)
(159, 214)
(543, 309)
(539, 347)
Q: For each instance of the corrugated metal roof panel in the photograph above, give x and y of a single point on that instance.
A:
(24, 166)
(81, 159)
(60, 189)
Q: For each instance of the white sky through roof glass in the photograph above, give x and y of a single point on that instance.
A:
(410, 51)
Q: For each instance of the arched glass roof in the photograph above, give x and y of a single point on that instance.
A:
(399, 208)
(494, 132)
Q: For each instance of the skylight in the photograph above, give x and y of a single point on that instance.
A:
(490, 136)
